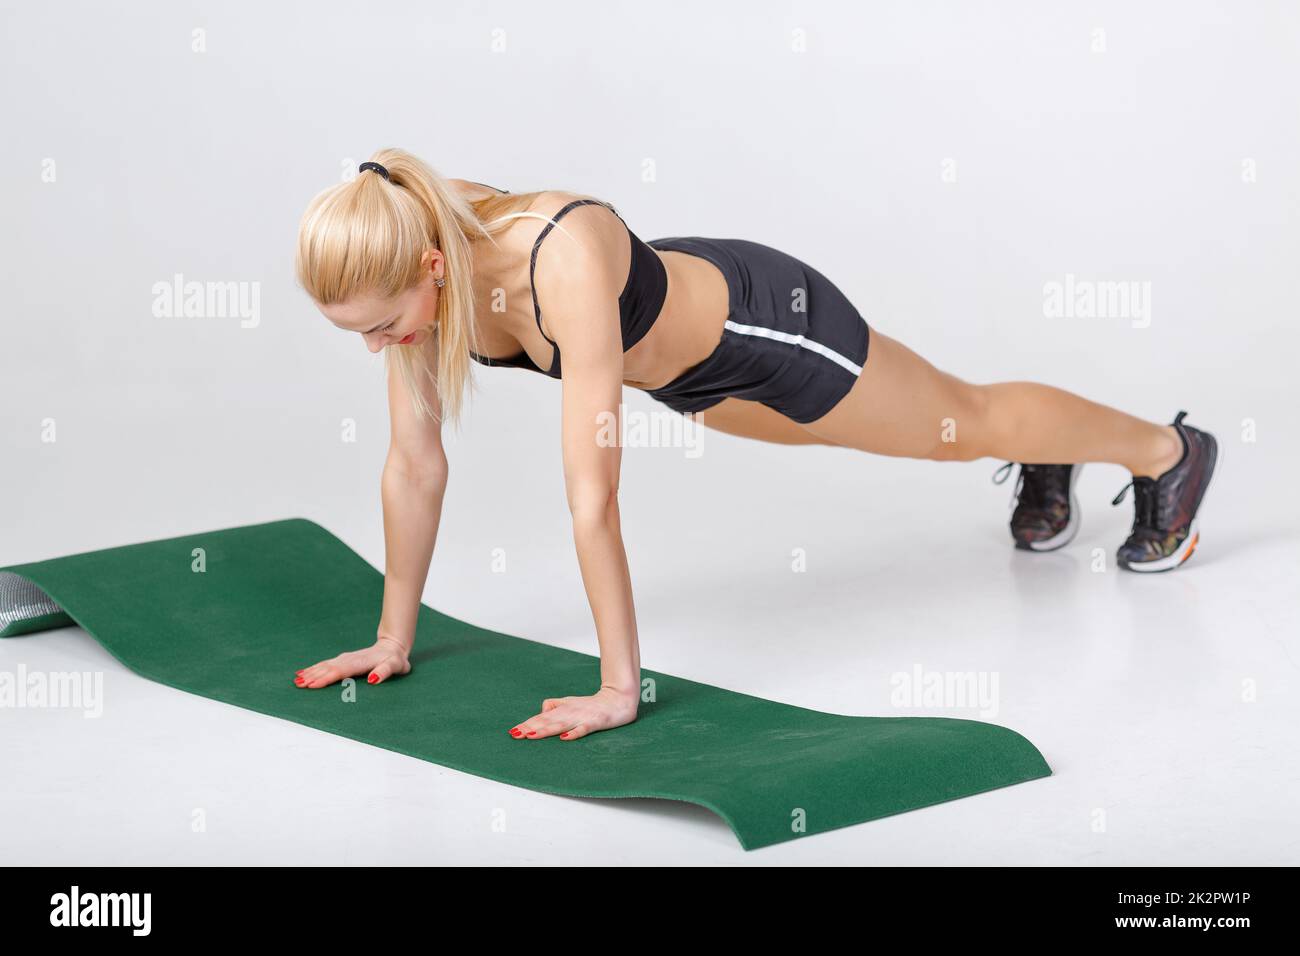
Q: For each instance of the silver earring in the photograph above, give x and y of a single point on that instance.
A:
(439, 282)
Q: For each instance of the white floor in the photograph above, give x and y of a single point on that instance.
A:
(1165, 705)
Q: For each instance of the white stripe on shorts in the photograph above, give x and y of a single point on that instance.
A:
(810, 345)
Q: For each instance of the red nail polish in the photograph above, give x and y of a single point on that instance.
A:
(514, 732)
(564, 736)
(373, 679)
(532, 733)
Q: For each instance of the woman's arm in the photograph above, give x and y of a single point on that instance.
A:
(412, 487)
(583, 287)
(591, 416)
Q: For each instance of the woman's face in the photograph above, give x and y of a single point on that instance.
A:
(405, 319)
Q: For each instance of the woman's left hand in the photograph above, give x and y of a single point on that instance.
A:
(573, 717)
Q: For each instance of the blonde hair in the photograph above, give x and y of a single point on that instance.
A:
(366, 236)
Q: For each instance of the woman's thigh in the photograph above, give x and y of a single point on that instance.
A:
(901, 405)
(736, 416)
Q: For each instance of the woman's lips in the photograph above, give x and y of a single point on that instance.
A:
(407, 340)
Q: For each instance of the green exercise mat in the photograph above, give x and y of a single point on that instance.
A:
(231, 614)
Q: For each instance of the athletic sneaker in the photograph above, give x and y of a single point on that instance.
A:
(1164, 531)
(1047, 512)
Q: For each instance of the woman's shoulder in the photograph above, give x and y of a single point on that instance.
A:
(580, 239)
(542, 204)
(565, 220)
(576, 212)
(553, 201)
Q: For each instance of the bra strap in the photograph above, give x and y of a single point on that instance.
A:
(532, 262)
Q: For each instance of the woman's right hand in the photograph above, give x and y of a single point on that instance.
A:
(384, 658)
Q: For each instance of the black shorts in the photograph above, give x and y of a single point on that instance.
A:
(792, 340)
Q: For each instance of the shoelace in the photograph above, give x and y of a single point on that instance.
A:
(1032, 499)
(1144, 505)
(1005, 472)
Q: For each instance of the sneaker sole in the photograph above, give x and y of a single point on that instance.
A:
(1193, 532)
(1066, 534)
(1172, 561)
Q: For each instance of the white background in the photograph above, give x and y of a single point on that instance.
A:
(1120, 164)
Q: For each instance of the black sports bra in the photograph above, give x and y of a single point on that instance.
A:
(638, 305)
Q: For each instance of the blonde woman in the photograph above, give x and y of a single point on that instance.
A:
(440, 273)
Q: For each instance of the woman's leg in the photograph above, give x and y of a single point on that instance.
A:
(902, 405)
(752, 420)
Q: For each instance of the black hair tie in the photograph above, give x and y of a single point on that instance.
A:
(377, 168)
